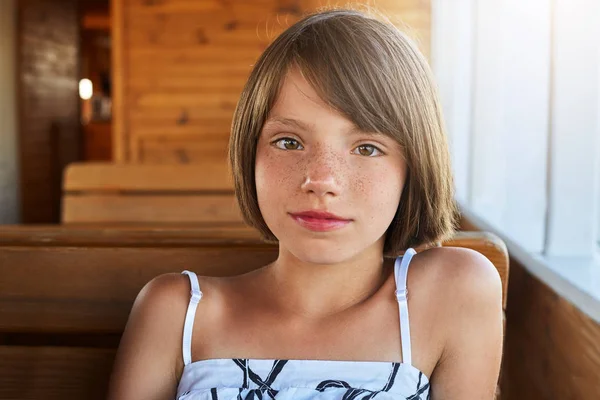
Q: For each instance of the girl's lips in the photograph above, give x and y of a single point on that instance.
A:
(318, 224)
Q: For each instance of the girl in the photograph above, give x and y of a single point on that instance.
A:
(339, 154)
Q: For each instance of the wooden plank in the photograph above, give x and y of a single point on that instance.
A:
(206, 176)
(178, 99)
(165, 7)
(206, 92)
(181, 149)
(188, 60)
(209, 124)
(180, 155)
(140, 115)
(198, 7)
(119, 77)
(150, 209)
(187, 83)
(209, 21)
(197, 54)
(54, 373)
(147, 235)
(190, 130)
(163, 36)
(164, 71)
(552, 350)
(92, 288)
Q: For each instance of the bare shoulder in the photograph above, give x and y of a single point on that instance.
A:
(149, 358)
(464, 273)
(173, 290)
(469, 289)
(477, 279)
(166, 288)
(463, 286)
(166, 298)
(163, 299)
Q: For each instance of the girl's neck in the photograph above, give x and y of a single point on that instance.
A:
(312, 292)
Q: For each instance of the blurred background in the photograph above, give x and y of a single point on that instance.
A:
(151, 83)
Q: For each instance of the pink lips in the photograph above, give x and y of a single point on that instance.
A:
(320, 221)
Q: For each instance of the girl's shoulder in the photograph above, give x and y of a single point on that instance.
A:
(465, 294)
(457, 266)
(457, 275)
(175, 289)
(462, 283)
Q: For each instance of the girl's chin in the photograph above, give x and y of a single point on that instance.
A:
(320, 252)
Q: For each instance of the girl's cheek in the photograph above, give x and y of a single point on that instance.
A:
(276, 169)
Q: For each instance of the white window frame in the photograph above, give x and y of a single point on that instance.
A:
(573, 174)
(527, 67)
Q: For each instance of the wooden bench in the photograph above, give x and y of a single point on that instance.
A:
(66, 292)
(108, 193)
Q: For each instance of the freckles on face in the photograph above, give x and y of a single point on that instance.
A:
(306, 159)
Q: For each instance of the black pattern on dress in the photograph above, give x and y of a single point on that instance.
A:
(420, 390)
(263, 386)
(354, 393)
(265, 391)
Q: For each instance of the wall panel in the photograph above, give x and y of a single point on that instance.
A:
(179, 67)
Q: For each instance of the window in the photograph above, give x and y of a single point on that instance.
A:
(520, 88)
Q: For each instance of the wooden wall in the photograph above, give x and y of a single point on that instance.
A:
(552, 350)
(179, 67)
(48, 42)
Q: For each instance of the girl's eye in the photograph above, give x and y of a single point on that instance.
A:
(368, 150)
(288, 144)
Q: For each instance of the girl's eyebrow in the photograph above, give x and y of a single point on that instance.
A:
(289, 122)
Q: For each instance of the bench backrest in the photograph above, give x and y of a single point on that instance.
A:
(101, 193)
(66, 292)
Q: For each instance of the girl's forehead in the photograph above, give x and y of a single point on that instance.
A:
(295, 89)
(299, 105)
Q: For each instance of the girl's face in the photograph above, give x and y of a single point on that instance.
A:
(311, 158)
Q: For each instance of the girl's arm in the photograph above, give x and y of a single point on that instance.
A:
(470, 363)
(150, 350)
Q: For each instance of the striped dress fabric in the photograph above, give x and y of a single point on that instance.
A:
(246, 379)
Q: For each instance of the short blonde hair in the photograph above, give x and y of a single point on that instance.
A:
(372, 73)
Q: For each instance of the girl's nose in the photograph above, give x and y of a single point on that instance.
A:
(322, 176)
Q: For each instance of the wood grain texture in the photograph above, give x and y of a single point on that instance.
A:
(147, 235)
(54, 373)
(91, 290)
(142, 193)
(110, 177)
(180, 149)
(179, 67)
(119, 77)
(552, 350)
(151, 208)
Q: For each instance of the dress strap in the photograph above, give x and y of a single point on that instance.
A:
(196, 295)
(400, 274)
